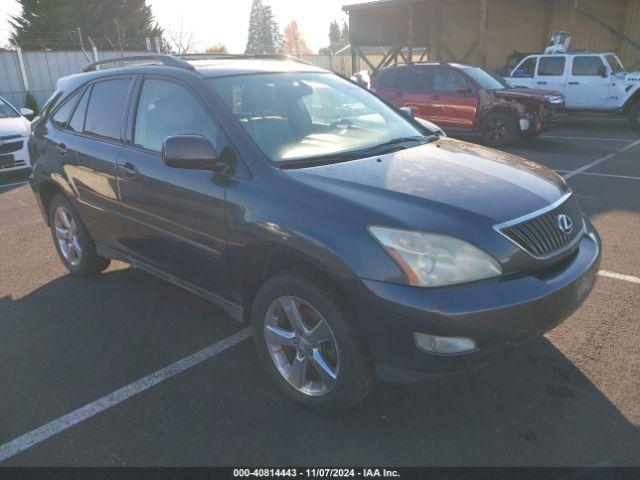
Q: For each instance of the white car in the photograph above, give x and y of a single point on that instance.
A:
(14, 137)
(591, 82)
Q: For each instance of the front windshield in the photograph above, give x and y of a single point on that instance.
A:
(6, 111)
(614, 64)
(486, 80)
(294, 116)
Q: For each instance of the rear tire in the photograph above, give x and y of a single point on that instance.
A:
(330, 370)
(499, 129)
(74, 245)
(634, 116)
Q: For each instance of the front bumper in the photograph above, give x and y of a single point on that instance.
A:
(14, 159)
(496, 315)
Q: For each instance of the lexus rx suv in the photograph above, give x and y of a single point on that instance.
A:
(358, 243)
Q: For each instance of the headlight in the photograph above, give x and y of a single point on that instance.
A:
(434, 260)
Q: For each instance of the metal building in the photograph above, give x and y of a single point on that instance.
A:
(486, 32)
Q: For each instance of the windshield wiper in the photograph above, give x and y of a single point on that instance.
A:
(382, 148)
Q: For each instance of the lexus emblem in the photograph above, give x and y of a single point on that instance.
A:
(565, 224)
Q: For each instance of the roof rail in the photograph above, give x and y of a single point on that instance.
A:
(240, 56)
(166, 60)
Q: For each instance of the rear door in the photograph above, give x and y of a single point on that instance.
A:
(174, 218)
(550, 74)
(89, 145)
(418, 90)
(388, 85)
(587, 88)
(454, 100)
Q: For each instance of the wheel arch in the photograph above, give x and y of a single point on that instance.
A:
(261, 261)
(633, 99)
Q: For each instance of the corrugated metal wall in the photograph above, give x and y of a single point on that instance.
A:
(43, 70)
(451, 28)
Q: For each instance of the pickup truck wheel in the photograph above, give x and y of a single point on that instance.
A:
(308, 343)
(76, 248)
(498, 130)
(634, 116)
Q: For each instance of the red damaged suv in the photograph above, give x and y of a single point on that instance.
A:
(464, 98)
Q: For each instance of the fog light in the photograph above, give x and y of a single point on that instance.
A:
(444, 345)
(524, 124)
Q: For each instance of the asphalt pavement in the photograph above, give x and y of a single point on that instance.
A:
(83, 378)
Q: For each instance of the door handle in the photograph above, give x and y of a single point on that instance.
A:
(574, 83)
(62, 149)
(542, 83)
(128, 170)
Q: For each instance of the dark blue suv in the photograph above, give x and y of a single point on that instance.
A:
(361, 244)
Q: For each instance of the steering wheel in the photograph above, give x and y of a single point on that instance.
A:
(341, 123)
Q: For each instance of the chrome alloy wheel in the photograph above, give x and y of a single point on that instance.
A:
(302, 345)
(67, 236)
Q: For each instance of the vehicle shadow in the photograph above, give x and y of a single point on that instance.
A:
(533, 408)
(11, 180)
(90, 337)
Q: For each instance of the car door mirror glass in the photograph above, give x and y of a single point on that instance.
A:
(27, 113)
(462, 90)
(406, 112)
(193, 152)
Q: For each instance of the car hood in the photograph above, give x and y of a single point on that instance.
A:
(447, 176)
(527, 93)
(14, 126)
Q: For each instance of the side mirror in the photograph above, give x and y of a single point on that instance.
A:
(27, 113)
(407, 112)
(463, 91)
(603, 71)
(193, 152)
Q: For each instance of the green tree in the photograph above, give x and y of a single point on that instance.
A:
(120, 24)
(264, 33)
(338, 38)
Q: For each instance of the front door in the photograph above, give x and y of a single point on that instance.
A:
(454, 100)
(588, 83)
(417, 91)
(174, 218)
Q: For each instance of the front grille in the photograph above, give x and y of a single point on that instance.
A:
(10, 147)
(541, 235)
(16, 163)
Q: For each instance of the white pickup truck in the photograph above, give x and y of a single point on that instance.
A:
(593, 83)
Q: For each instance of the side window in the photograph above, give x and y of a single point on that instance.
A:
(551, 66)
(419, 80)
(106, 106)
(448, 80)
(61, 117)
(390, 79)
(77, 120)
(587, 65)
(165, 109)
(526, 69)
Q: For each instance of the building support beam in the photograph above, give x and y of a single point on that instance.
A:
(609, 28)
(482, 37)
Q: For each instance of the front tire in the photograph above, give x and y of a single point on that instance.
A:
(74, 245)
(499, 129)
(634, 116)
(308, 342)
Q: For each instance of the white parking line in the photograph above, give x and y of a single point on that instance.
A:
(609, 175)
(600, 160)
(588, 138)
(620, 276)
(58, 425)
(13, 184)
